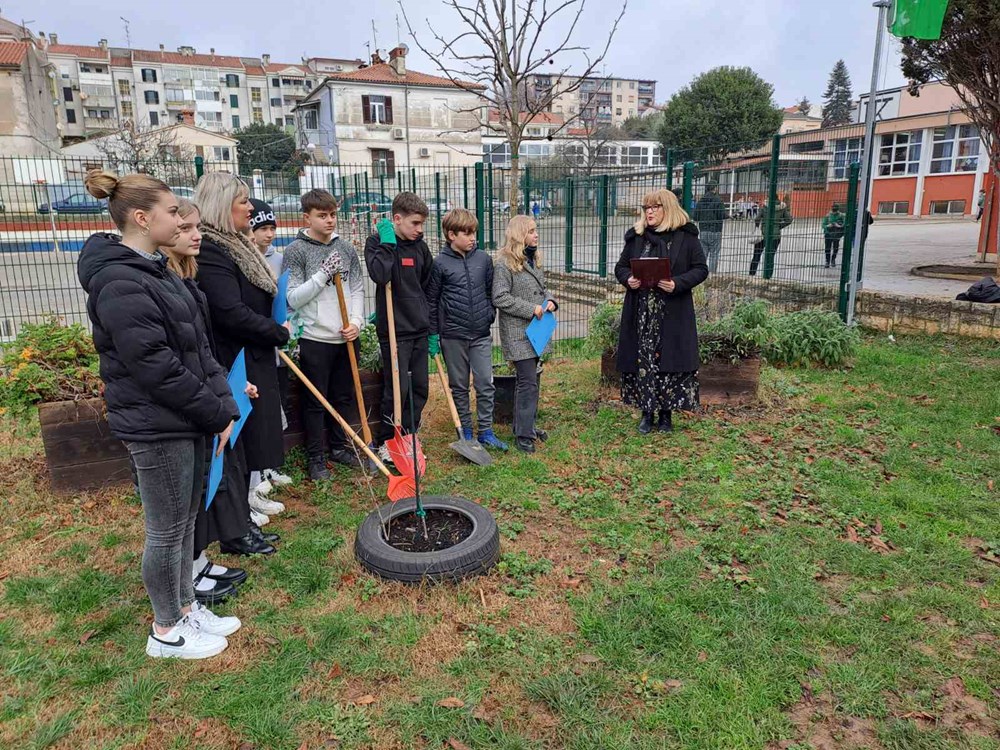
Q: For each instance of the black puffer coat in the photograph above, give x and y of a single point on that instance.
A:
(460, 294)
(678, 348)
(161, 381)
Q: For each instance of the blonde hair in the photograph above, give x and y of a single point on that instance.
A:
(215, 195)
(185, 266)
(515, 240)
(133, 192)
(674, 217)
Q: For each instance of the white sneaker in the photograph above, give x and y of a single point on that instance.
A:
(383, 455)
(276, 478)
(263, 487)
(259, 518)
(184, 641)
(261, 504)
(208, 622)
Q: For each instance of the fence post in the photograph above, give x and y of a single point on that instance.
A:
(688, 185)
(772, 206)
(570, 200)
(413, 179)
(199, 167)
(480, 214)
(850, 224)
(368, 201)
(527, 191)
(670, 169)
(602, 250)
(381, 185)
(437, 197)
(465, 187)
(490, 204)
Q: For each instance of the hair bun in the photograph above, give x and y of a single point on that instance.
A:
(100, 184)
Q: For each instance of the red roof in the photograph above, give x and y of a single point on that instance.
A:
(383, 73)
(121, 62)
(254, 70)
(78, 50)
(177, 58)
(13, 53)
(278, 67)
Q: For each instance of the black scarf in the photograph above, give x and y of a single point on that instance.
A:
(530, 251)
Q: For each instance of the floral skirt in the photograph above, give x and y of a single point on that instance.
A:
(648, 389)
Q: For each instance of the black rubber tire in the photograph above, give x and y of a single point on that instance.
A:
(471, 557)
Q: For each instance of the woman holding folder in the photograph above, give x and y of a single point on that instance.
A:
(661, 263)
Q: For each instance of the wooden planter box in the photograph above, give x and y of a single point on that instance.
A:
(82, 454)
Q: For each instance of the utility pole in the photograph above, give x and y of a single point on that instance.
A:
(861, 223)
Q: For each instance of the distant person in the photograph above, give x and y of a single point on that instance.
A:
(980, 204)
(833, 233)
(536, 210)
(709, 214)
(782, 219)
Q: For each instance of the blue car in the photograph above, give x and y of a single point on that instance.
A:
(78, 203)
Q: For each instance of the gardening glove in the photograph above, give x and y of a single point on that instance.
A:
(332, 265)
(433, 345)
(386, 232)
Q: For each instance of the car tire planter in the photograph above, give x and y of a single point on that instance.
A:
(471, 548)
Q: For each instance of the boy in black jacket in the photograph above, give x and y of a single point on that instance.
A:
(398, 254)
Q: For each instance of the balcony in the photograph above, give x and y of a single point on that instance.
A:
(93, 100)
(295, 92)
(180, 103)
(100, 123)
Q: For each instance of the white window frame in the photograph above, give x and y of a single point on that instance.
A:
(376, 109)
(948, 144)
(899, 153)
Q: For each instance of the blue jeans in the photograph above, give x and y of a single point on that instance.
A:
(170, 473)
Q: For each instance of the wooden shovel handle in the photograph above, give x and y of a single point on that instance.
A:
(362, 412)
(397, 401)
(447, 392)
(333, 413)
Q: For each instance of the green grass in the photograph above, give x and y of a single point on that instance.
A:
(683, 591)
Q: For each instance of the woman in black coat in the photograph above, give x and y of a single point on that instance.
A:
(658, 341)
(240, 288)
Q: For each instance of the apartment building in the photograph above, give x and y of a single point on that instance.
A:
(28, 124)
(597, 100)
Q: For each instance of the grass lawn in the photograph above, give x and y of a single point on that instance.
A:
(819, 571)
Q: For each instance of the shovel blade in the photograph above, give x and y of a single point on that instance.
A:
(472, 451)
(401, 488)
(401, 451)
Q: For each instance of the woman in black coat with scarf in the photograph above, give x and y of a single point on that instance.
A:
(240, 288)
(658, 341)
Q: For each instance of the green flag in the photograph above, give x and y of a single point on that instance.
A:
(920, 19)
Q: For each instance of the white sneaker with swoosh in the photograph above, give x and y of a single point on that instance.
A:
(184, 641)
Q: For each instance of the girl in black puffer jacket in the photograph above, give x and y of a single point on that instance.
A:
(165, 395)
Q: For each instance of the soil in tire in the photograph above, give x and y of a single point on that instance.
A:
(445, 529)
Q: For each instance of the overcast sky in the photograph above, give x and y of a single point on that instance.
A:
(793, 44)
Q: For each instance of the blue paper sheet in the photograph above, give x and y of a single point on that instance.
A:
(279, 308)
(214, 474)
(238, 384)
(540, 332)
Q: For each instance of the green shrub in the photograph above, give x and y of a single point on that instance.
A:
(49, 361)
(810, 336)
(605, 325)
(371, 355)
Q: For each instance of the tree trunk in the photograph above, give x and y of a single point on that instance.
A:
(514, 196)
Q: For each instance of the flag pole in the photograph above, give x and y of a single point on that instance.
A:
(861, 222)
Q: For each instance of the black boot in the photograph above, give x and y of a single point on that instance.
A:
(646, 423)
(256, 531)
(665, 424)
(317, 470)
(250, 544)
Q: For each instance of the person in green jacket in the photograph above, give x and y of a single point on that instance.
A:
(782, 219)
(833, 233)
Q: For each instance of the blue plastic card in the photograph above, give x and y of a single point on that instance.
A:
(279, 308)
(238, 385)
(539, 331)
(214, 474)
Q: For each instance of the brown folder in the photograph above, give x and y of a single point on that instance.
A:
(651, 271)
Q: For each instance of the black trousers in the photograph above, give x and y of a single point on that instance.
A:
(832, 248)
(412, 358)
(328, 367)
(758, 250)
(526, 397)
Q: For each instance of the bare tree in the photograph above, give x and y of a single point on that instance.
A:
(500, 46)
(154, 151)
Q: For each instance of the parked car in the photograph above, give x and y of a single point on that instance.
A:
(182, 192)
(445, 207)
(78, 203)
(360, 203)
(287, 203)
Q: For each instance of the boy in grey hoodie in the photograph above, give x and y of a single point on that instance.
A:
(325, 336)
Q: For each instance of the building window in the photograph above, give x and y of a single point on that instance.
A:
(99, 114)
(310, 119)
(71, 116)
(889, 208)
(206, 95)
(67, 93)
(236, 122)
(278, 121)
(276, 83)
(221, 153)
(154, 119)
(496, 153)
(209, 118)
(127, 112)
(64, 71)
(152, 97)
(377, 109)
(619, 96)
(148, 75)
(232, 80)
(383, 162)
(275, 101)
(956, 149)
(899, 153)
(634, 155)
(953, 208)
(234, 101)
(618, 112)
(631, 84)
(846, 151)
(124, 88)
(255, 95)
(257, 114)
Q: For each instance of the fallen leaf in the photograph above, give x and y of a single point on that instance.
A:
(482, 714)
(881, 545)
(87, 636)
(571, 583)
(673, 684)
(348, 579)
(878, 526)
(886, 618)
(414, 700)
(247, 746)
(954, 688)
(989, 485)
(852, 535)
(913, 445)
(364, 700)
(702, 656)
(271, 641)
(304, 746)
(451, 702)
(810, 459)
(201, 730)
(4, 575)
(588, 659)
(335, 671)
(984, 603)
(456, 745)
(958, 444)
(89, 505)
(919, 715)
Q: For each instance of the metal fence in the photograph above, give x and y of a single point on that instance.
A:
(582, 213)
